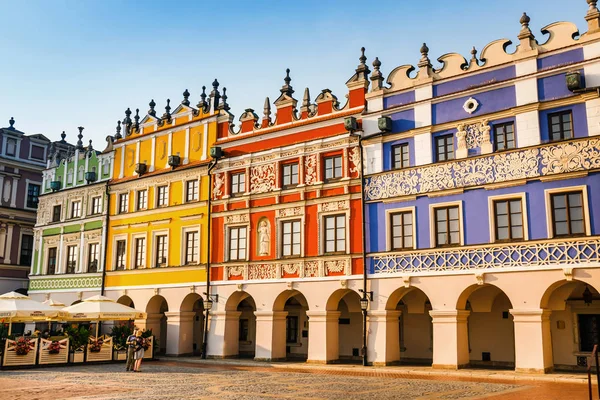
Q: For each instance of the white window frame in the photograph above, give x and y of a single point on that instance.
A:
(133, 250)
(70, 176)
(184, 231)
(87, 255)
(67, 247)
(80, 208)
(279, 234)
(27, 183)
(119, 210)
(38, 143)
(321, 229)
(492, 216)
(388, 226)
(92, 211)
(231, 192)
(113, 257)
(137, 198)
(168, 187)
(586, 208)
(227, 241)
(17, 146)
(81, 173)
(154, 253)
(461, 222)
(185, 190)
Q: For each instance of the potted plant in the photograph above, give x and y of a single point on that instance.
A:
(22, 346)
(78, 339)
(120, 333)
(96, 345)
(54, 347)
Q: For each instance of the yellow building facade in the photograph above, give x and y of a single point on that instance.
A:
(158, 231)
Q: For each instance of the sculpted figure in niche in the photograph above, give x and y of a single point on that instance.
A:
(264, 239)
(461, 137)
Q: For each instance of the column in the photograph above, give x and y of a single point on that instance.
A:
(186, 151)
(323, 338)
(450, 338)
(533, 344)
(205, 141)
(9, 240)
(169, 144)
(383, 342)
(152, 154)
(270, 335)
(223, 335)
(13, 197)
(180, 331)
(81, 259)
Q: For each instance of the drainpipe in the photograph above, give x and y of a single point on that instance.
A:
(364, 250)
(105, 239)
(212, 164)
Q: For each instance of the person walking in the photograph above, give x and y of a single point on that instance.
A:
(130, 350)
(139, 351)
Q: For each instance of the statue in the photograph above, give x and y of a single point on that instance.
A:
(219, 182)
(264, 239)
(461, 136)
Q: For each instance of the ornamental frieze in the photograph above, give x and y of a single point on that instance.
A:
(501, 167)
(262, 178)
(237, 218)
(310, 169)
(301, 269)
(262, 271)
(290, 212)
(334, 206)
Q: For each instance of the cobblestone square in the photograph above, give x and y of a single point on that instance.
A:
(181, 380)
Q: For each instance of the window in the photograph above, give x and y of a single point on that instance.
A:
(238, 183)
(51, 261)
(508, 217)
(140, 253)
(243, 333)
(106, 167)
(71, 259)
(33, 192)
(56, 213)
(142, 199)
(335, 233)
(80, 174)
(504, 136)
(289, 175)
(290, 243)
(120, 259)
(291, 329)
(589, 334)
(123, 203)
(333, 167)
(93, 252)
(191, 248)
(444, 148)
(237, 243)
(26, 250)
(400, 156)
(37, 152)
(567, 214)
(560, 125)
(96, 205)
(402, 230)
(191, 190)
(447, 226)
(11, 147)
(70, 176)
(161, 250)
(76, 209)
(162, 199)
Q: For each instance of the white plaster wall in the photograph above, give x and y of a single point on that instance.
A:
(350, 336)
(374, 156)
(417, 337)
(423, 115)
(423, 149)
(370, 125)
(489, 332)
(528, 129)
(563, 341)
(592, 108)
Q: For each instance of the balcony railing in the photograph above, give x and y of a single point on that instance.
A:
(503, 256)
(551, 159)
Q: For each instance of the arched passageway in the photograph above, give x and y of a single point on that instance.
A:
(574, 308)
(240, 330)
(126, 301)
(490, 327)
(293, 305)
(157, 321)
(190, 325)
(345, 304)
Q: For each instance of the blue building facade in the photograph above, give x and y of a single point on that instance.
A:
(482, 210)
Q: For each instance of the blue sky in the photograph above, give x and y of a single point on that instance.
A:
(82, 63)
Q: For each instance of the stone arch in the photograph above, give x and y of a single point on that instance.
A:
(345, 304)
(126, 301)
(240, 330)
(545, 299)
(335, 298)
(190, 324)
(157, 320)
(236, 298)
(283, 297)
(490, 327)
(290, 326)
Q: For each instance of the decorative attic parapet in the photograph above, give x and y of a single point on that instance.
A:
(560, 35)
(285, 103)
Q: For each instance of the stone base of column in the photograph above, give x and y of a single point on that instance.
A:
(450, 339)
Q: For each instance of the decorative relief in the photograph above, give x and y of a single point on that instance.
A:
(509, 256)
(334, 206)
(520, 164)
(311, 269)
(264, 237)
(291, 268)
(219, 183)
(290, 212)
(262, 271)
(65, 283)
(236, 219)
(310, 169)
(355, 158)
(262, 178)
(335, 266)
(235, 271)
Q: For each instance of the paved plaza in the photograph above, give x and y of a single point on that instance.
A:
(175, 379)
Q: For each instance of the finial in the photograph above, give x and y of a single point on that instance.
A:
(215, 95)
(11, 121)
(306, 99)
(376, 76)
(224, 104)
(90, 148)
(118, 134)
(63, 135)
(215, 84)
(362, 58)
(79, 138)
(267, 109)
(137, 119)
(473, 53)
(287, 78)
(525, 21)
(424, 61)
(186, 96)
(287, 88)
(202, 103)
(593, 8)
(376, 64)
(151, 111)
(167, 114)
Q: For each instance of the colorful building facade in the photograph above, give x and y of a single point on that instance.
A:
(70, 232)
(481, 203)
(286, 223)
(22, 159)
(158, 217)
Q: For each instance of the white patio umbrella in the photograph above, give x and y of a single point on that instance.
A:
(54, 304)
(100, 308)
(17, 307)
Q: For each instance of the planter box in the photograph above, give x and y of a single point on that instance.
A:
(120, 355)
(77, 357)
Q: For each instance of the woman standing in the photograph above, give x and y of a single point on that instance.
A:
(139, 351)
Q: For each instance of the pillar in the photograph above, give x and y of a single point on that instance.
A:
(223, 334)
(450, 338)
(323, 340)
(180, 331)
(533, 344)
(270, 335)
(152, 321)
(383, 342)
